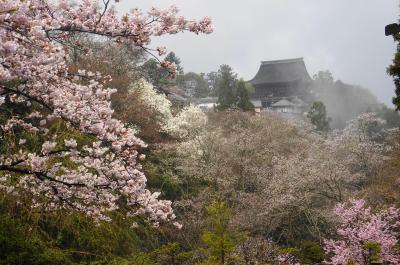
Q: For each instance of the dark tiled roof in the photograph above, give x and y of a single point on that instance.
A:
(281, 71)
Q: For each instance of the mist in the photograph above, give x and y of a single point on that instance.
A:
(345, 37)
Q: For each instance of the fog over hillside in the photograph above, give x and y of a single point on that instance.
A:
(119, 145)
(343, 101)
(345, 37)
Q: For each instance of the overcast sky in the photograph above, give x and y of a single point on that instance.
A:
(344, 36)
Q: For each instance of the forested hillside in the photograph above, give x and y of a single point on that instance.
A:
(99, 166)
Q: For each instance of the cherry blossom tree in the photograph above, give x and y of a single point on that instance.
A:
(187, 124)
(157, 102)
(290, 175)
(58, 137)
(364, 235)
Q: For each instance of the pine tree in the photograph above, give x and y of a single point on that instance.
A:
(171, 57)
(225, 87)
(221, 239)
(242, 94)
(160, 76)
(318, 116)
(394, 71)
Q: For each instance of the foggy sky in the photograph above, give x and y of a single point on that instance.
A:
(344, 36)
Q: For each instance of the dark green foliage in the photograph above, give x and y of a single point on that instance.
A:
(226, 87)
(312, 253)
(171, 57)
(293, 253)
(160, 168)
(170, 254)
(394, 71)
(221, 239)
(8, 144)
(242, 93)
(372, 250)
(160, 76)
(318, 116)
(232, 93)
(154, 74)
(29, 236)
(308, 253)
(17, 248)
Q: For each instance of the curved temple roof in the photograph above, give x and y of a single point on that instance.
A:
(281, 71)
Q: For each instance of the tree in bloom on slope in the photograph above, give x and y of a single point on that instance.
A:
(92, 168)
(365, 236)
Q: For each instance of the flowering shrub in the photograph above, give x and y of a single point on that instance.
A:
(86, 159)
(365, 236)
(157, 102)
(367, 126)
(187, 124)
(289, 174)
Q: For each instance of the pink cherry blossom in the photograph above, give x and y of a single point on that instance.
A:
(358, 226)
(35, 37)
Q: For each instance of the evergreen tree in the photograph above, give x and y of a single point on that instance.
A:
(221, 240)
(154, 74)
(394, 71)
(318, 116)
(242, 94)
(171, 57)
(225, 87)
(159, 76)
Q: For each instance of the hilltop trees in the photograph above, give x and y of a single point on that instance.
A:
(242, 94)
(231, 91)
(160, 76)
(318, 116)
(62, 143)
(226, 87)
(172, 58)
(343, 101)
(394, 71)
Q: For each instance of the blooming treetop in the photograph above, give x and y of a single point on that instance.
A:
(358, 227)
(157, 102)
(35, 38)
(189, 123)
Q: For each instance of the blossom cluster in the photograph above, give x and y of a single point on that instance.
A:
(187, 124)
(156, 101)
(328, 166)
(35, 39)
(358, 226)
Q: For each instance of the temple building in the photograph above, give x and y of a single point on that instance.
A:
(281, 85)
